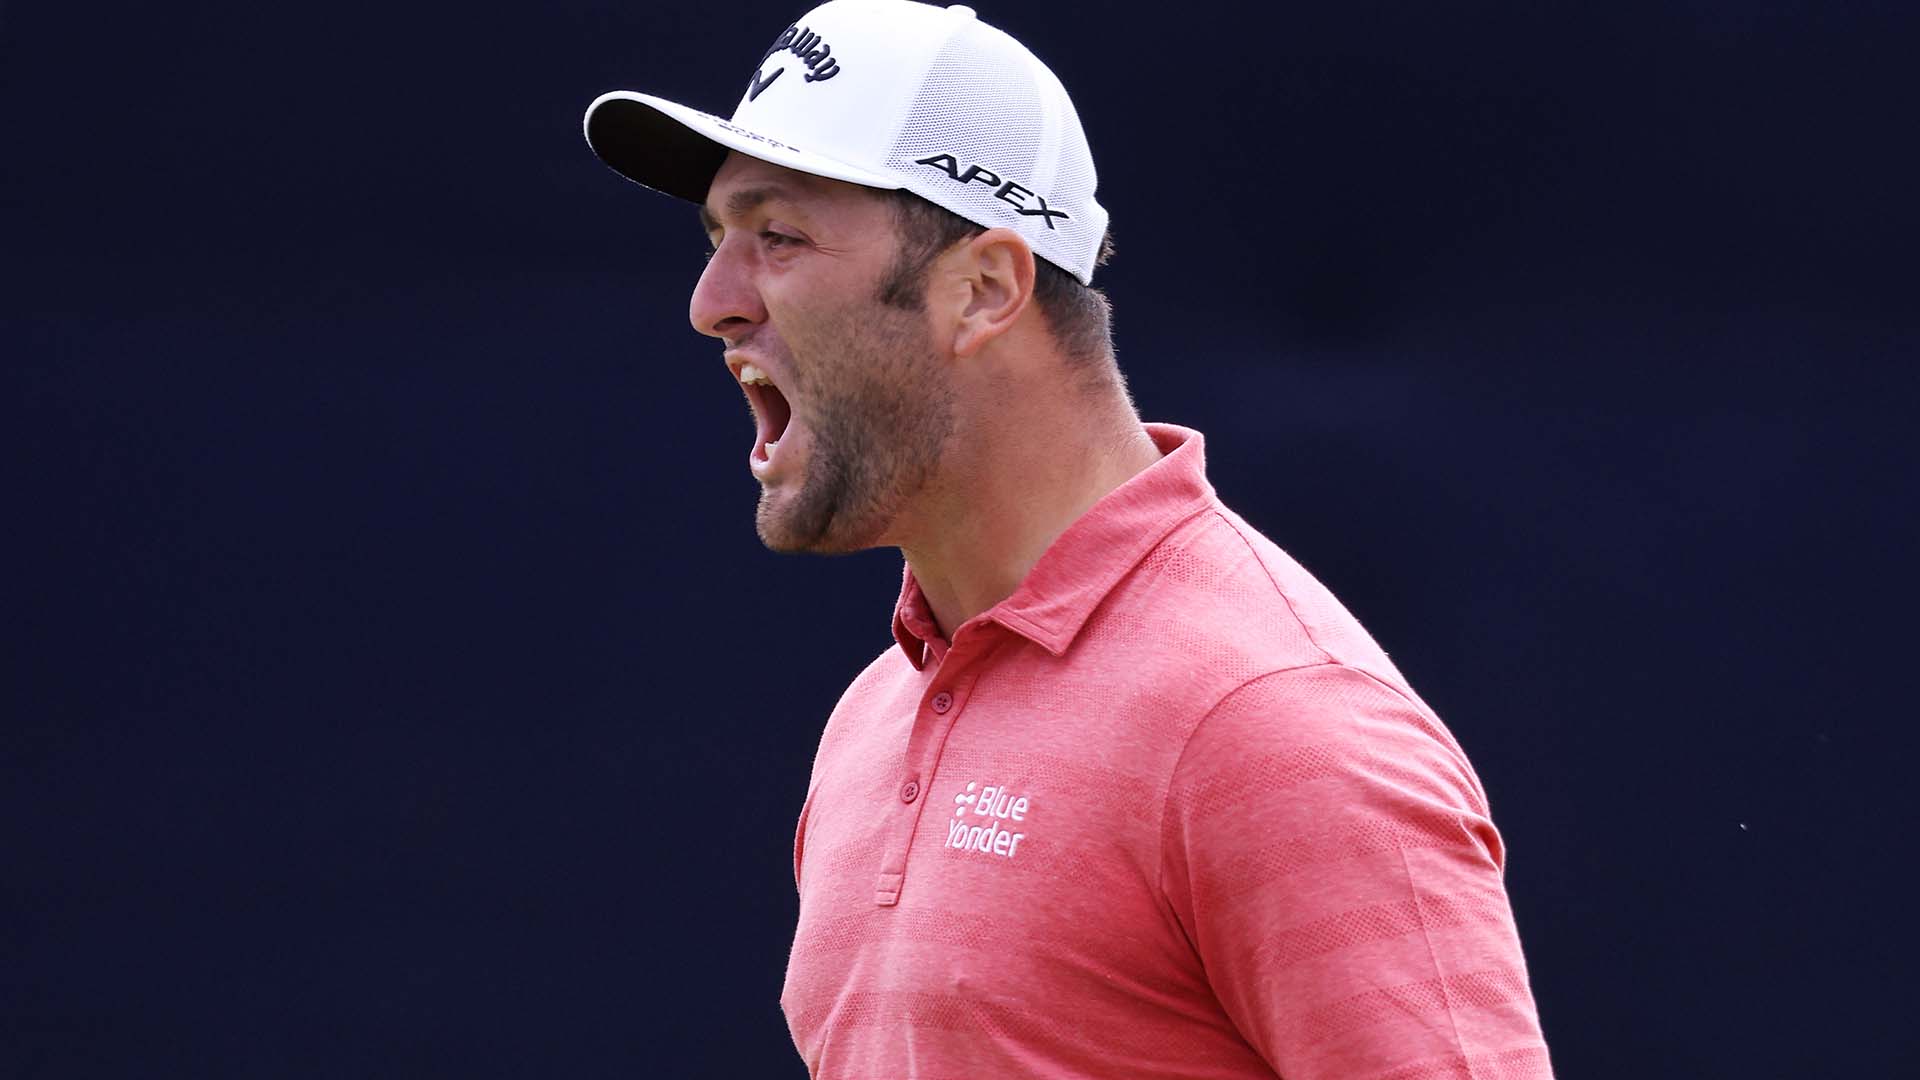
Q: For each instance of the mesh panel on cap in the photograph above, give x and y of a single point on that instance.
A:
(983, 110)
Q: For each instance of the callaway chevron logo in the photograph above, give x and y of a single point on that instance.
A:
(812, 50)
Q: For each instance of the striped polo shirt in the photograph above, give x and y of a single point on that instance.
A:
(1166, 811)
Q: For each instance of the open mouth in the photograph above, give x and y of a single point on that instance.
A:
(771, 412)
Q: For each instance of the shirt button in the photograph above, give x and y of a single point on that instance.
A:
(910, 791)
(942, 701)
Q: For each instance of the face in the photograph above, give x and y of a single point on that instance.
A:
(851, 402)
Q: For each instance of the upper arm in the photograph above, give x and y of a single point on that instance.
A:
(1328, 850)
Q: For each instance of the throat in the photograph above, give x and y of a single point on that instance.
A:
(778, 413)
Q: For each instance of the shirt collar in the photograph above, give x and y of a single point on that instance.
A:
(1077, 571)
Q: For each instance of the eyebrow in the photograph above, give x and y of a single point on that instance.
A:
(740, 203)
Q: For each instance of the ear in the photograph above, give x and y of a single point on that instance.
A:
(995, 270)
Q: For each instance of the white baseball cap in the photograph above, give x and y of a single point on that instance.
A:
(887, 94)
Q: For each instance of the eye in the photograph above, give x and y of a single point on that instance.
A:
(777, 239)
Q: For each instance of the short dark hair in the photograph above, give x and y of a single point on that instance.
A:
(1079, 315)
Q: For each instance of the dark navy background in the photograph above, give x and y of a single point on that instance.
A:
(394, 686)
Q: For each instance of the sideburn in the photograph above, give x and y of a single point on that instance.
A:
(904, 287)
(922, 233)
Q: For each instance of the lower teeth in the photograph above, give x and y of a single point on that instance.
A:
(772, 446)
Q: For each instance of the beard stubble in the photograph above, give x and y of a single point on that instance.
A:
(879, 409)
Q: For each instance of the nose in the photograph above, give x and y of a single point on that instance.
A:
(725, 302)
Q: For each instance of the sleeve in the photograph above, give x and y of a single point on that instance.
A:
(1329, 853)
(800, 839)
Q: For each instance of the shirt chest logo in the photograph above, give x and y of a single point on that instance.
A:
(1003, 811)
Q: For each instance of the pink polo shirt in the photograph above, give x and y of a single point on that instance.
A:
(1166, 811)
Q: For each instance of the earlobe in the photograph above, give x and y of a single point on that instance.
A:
(998, 272)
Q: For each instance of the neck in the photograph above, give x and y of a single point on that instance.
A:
(1017, 479)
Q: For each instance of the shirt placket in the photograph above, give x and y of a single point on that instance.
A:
(940, 706)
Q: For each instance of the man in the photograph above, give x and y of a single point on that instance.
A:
(1129, 794)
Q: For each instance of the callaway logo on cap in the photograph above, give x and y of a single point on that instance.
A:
(887, 94)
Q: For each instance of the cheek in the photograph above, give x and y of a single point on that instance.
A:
(820, 340)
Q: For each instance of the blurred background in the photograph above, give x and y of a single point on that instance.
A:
(393, 682)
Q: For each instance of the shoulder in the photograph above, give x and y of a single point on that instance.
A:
(1222, 604)
(1325, 738)
(1299, 599)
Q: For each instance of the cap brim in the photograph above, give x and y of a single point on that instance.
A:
(676, 150)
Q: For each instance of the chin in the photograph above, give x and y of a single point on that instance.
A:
(785, 542)
(814, 531)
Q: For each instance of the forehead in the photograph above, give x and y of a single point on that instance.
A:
(745, 184)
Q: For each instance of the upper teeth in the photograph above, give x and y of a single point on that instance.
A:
(751, 374)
